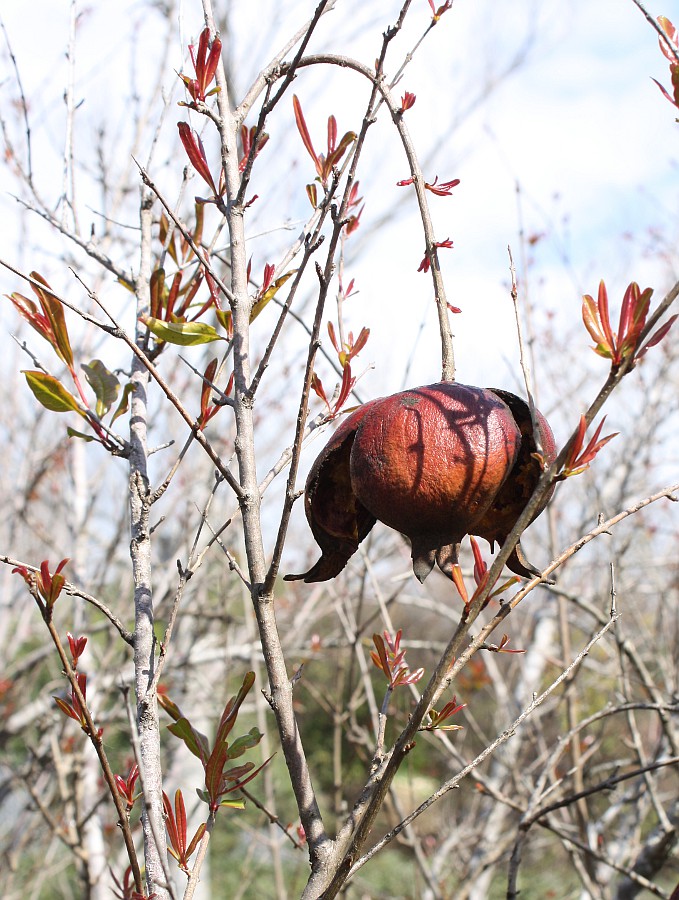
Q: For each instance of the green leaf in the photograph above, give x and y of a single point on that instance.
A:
(170, 707)
(194, 740)
(271, 291)
(260, 302)
(247, 742)
(104, 384)
(233, 804)
(200, 831)
(186, 334)
(51, 393)
(73, 433)
(123, 405)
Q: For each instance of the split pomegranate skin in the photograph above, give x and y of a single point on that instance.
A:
(435, 463)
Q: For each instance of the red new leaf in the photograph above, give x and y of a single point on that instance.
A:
(196, 154)
(578, 459)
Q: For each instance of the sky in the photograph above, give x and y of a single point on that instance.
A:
(545, 111)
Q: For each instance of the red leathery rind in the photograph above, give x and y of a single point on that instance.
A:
(517, 490)
(430, 461)
(338, 521)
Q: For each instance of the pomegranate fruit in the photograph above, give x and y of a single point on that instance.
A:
(435, 463)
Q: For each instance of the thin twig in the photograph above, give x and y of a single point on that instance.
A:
(270, 71)
(68, 182)
(74, 591)
(158, 838)
(94, 734)
(194, 877)
(273, 819)
(448, 356)
(454, 782)
(23, 104)
(186, 234)
(654, 24)
(522, 357)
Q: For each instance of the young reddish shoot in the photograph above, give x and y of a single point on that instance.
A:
(207, 409)
(426, 262)
(345, 389)
(437, 13)
(407, 102)
(578, 460)
(656, 337)
(126, 787)
(205, 66)
(319, 390)
(267, 279)
(445, 189)
(176, 823)
(218, 781)
(126, 890)
(502, 646)
(324, 162)
(247, 136)
(348, 291)
(72, 707)
(266, 292)
(196, 154)
(671, 35)
(670, 53)
(48, 586)
(50, 323)
(436, 718)
(76, 646)
(391, 660)
(354, 218)
(348, 350)
(480, 575)
(625, 343)
(170, 243)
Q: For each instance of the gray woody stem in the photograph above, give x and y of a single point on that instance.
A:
(140, 552)
(447, 352)
(250, 499)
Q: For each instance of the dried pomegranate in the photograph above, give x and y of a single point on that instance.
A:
(435, 463)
